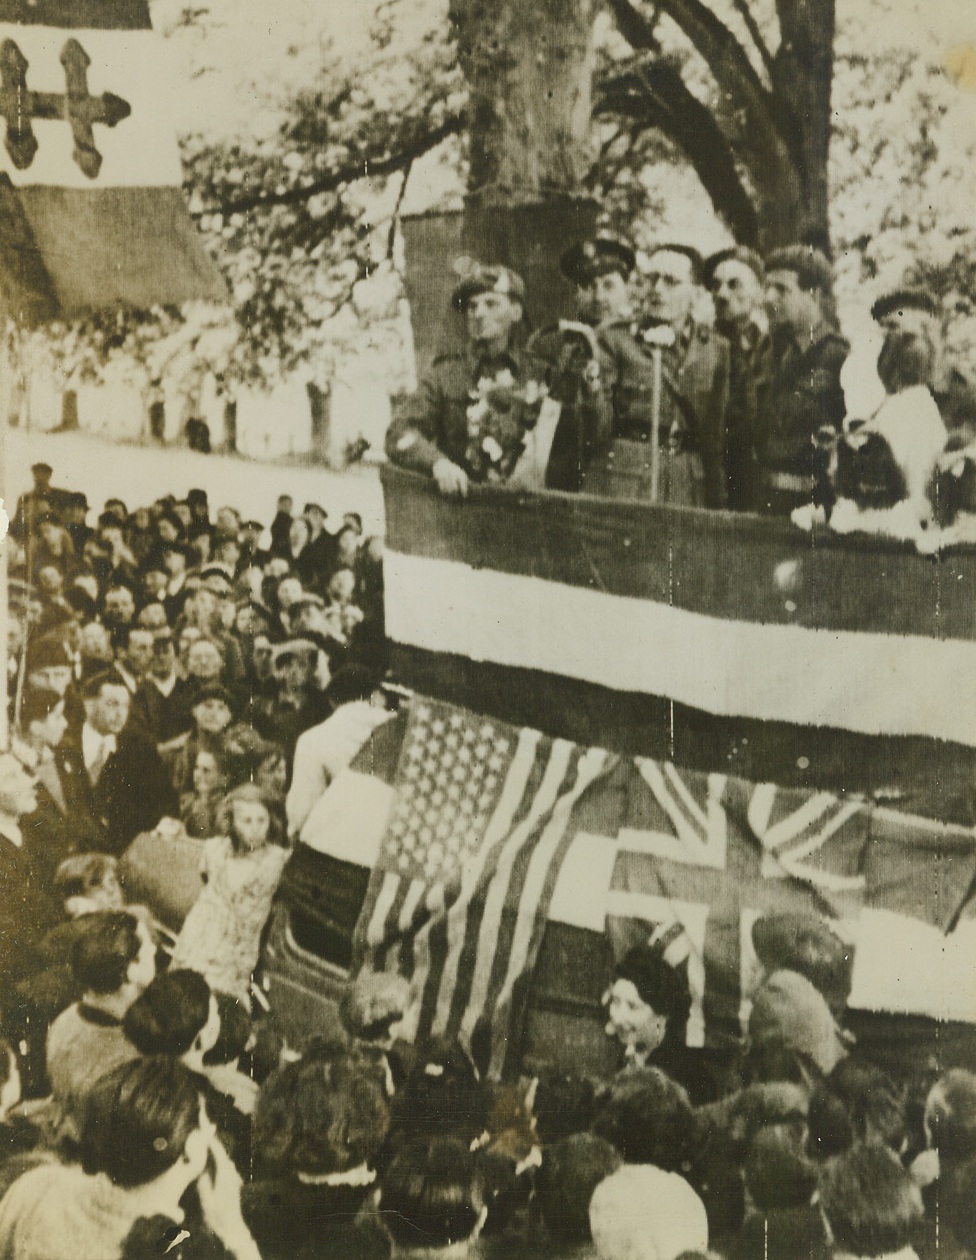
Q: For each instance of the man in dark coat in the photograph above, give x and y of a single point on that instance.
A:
(115, 784)
(799, 388)
(26, 912)
(735, 279)
(693, 395)
(432, 434)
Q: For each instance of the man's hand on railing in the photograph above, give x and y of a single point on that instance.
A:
(451, 480)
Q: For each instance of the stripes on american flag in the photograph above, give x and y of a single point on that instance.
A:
(459, 895)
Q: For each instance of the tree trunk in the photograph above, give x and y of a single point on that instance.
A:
(529, 66)
(803, 72)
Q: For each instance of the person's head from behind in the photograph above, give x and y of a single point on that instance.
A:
(374, 1005)
(950, 1116)
(323, 1114)
(234, 1033)
(649, 1119)
(443, 1095)
(779, 1173)
(86, 882)
(18, 787)
(10, 1083)
(251, 818)
(570, 1171)
(788, 1009)
(869, 1202)
(113, 954)
(874, 1103)
(431, 1197)
(146, 1121)
(564, 1104)
(42, 717)
(913, 337)
(639, 1213)
(175, 1015)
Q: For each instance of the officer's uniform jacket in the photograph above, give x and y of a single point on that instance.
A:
(433, 422)
(694, 397)
(799, 391)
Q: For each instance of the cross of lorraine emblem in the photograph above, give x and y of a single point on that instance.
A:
(75, 106)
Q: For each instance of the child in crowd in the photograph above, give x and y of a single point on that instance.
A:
(211, 779)
(221, 937)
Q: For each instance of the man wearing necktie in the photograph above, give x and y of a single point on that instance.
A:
(670, 391)
(115, 785)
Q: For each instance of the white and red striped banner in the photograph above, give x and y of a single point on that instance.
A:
(719, 641)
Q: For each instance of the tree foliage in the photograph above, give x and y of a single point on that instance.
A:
(298, 201)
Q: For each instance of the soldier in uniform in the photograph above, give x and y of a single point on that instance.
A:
(734, 278)
(691, 399)
(431, 434)
(799, 387)
(913, 331)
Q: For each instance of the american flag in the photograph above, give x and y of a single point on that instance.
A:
(459, 895)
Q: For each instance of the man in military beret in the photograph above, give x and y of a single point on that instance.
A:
(914, 344)
(734, 277)
(431, 434)
(799, 388)
(691, 403)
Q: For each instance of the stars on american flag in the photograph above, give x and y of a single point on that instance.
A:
(452, 770)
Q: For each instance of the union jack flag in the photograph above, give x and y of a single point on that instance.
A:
(711, 854)
(458, 897)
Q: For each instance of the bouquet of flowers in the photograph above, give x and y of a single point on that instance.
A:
(499, 414)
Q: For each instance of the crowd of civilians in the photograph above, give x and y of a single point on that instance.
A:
(164, 669)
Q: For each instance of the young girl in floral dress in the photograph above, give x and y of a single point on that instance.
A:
(241, 867)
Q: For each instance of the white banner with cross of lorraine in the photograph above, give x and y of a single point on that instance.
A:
(91, 205)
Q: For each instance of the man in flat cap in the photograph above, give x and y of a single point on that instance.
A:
(432, 432)
(734, 277)
(671, 386)
(914, 347)
(799, 390)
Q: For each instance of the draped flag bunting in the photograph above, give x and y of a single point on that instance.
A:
(461, 889)
(91, 206)
(715, 640)
(476, 832)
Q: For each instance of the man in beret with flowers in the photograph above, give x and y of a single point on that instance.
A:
(466, 420)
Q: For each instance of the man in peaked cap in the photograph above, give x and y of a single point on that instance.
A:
(601, 268)
(430, 434)
(734, 277)
(799, 390)
(915, 340)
